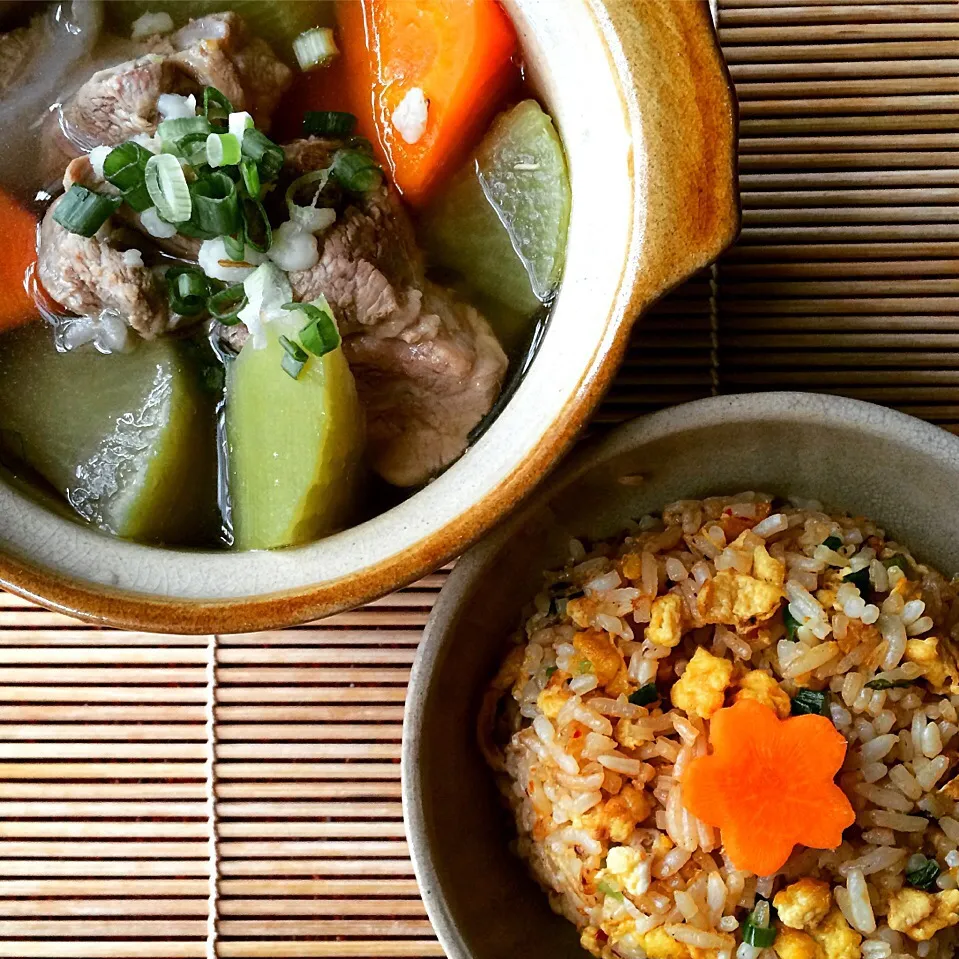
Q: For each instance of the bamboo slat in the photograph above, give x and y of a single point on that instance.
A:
(120, 752)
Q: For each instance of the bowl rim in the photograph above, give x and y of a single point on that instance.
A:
(787, 407)
(125, 609)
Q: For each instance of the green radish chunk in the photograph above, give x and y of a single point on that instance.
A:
(295, 446)
(128, 439)
(501, 222)
(279, 22)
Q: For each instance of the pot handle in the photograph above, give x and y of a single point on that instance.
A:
(685, 130)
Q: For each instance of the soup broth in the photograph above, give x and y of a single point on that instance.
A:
(273, 265)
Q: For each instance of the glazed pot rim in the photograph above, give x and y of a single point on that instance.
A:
(780, 407)
(128, 608)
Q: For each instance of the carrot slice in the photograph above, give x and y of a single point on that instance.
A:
(18, 240)
(768, 785)
(458, 52)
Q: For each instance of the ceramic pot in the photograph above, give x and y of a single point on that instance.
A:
(640, 93)
(849, 455)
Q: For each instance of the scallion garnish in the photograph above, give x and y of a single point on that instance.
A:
(810, 702)
(170, 131)
(216, 106)
(882, 683)
(315, 48)
(902, 562)
(257, 232)
(328, 123)
(922, 873)
(222, 149)
(833, 543)
(645, 695)
(225, 305)
(83, 212)
(216, 207)
(267, 155)
(125, 168)
(356, 171)
(294, 357)
(234, 246)
(250, 177)
(189, 289)
(608, 889)
(792, 625)
(168, 188)
(320, 336)
(859, 579)
(757, 930)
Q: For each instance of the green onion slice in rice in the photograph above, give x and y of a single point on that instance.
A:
(810, 702)
(859, 579)
(833, 543)
(645, 695)
(607, 888)
(792, 625)
(922, 873)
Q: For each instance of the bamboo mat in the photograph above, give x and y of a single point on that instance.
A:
(120, 752)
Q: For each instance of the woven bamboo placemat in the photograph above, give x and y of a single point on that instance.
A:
(120, 752)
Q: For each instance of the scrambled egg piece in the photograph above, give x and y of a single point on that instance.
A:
(793, 944)
(734, 599)
(920, 915)
(803, 904)
(606, 659)
(758, 684)
(766, 568)
(552, 699)
(659, 944)
(629, 868)
(701, 690)
(938, 662)
(666, 620)
(619, 815)
(836, 937)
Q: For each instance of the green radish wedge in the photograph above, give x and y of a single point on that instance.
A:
(501, 222)
(279, 22)
(295, 446)
(128, 439)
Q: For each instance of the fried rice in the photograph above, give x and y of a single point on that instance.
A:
(606, 698)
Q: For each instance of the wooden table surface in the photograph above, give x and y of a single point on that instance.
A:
(184, 797)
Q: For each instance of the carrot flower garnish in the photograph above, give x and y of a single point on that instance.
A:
(768, 785)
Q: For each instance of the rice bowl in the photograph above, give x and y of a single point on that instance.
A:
(625, 663)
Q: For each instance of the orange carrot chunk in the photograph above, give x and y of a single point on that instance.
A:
(18, 241)
(768, 785)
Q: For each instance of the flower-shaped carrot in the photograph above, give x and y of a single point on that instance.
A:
(768, 785)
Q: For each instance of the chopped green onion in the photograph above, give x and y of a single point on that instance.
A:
(83, 212)
(239, 123)
(168, 188)
(859, 579)
(889, 684)
(191, 148)
(792, 625)
(584, 667)
(922, 873)
(225, 305)
(320, 336)
(645, 695)
(550, 670)
(833, 543)
(608, 889)
(173, 130)
(216, 207)
(756, 928)
(222, 149)
(257, 232)
(215, 103)
(124, 165)
(189, 289)
(810, 702)
(251, 178)
(328, 123)
(264, 152)
(315, 48)
(356, 171)
(234, 246)
(294, 358)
